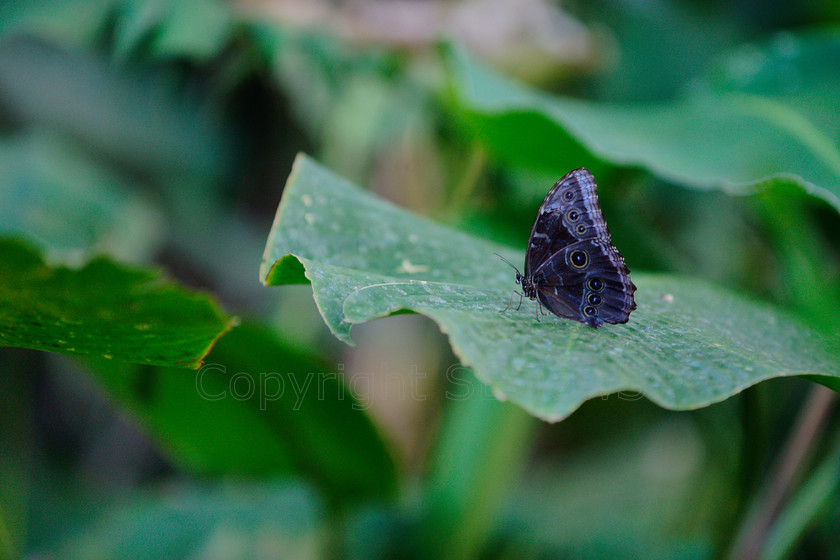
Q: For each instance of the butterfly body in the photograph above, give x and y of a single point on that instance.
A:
(571, 266)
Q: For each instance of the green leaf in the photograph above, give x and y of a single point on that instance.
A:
(75, 22)
(125, 114)
(16, 452)
(616, 504)
(243, 521)
(103, 309)
(43, 176)
(659, 46)
(765, 115)
(196, 29)
(486, 438)
(688, 345)
(258, 407)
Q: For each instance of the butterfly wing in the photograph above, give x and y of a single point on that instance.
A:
(553, 226)
(576, 270)
(588, 282)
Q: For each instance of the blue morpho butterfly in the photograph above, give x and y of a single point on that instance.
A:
(571, 267)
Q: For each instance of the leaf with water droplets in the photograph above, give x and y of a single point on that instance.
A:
(689, 343)
(103, 309)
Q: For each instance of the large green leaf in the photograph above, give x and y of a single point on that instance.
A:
(689, 343)
(762, 115)
(103, 309)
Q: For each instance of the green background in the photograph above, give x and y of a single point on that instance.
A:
(249, 305)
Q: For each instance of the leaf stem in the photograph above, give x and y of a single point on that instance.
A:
(482, 446)
(756, 528)
(814, 496)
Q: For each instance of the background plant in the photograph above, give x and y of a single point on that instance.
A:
(154, 135)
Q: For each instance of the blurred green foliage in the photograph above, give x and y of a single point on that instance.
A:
(160, 133)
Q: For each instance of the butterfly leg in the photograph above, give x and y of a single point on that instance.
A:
(510, 300)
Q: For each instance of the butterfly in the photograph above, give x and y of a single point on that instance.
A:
(571, 266)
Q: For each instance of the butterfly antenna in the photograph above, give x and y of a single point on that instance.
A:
(507, 261)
